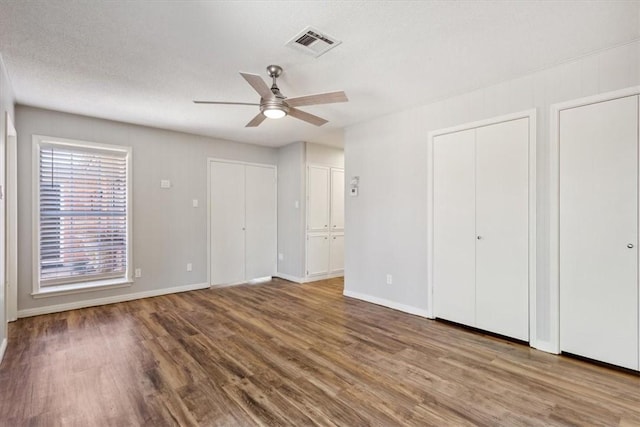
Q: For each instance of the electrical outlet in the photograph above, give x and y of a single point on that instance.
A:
(389, 279)
(189, 267)
(165, 183)
(138, 272)
(280, 257)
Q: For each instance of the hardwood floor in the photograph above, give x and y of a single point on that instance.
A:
(286, 354)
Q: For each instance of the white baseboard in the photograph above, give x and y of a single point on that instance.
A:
(545, 346)
(291, 278)
(3, 348)
(301, 280)
(323, 277)
(108, 300)
(387, 303)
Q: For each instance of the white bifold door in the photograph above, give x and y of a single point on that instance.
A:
(243, 222)
(481, 227)
(599, 231)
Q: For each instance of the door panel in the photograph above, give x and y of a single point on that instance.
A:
(336, 253)
(454, 227)
(598, 219)
(317, 254)
(261, 231)
(227, 223)
(318, 195)
(502, 228)
(337, 199)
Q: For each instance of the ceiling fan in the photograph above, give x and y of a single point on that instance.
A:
(274, 105)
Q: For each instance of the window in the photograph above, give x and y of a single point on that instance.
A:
(83, 215)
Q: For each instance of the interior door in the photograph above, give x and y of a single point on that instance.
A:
(454, 227)
(337, 199)
(261, 222)
(227, 223)
(502, 228)
(599, 231)
(318, 196)
(317, 254)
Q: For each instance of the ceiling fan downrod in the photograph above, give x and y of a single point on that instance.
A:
(274, 72)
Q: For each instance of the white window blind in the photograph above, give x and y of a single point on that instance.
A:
(83, 214)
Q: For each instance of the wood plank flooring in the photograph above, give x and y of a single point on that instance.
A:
(286, 354)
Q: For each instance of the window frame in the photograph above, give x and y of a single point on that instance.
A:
(76, 286)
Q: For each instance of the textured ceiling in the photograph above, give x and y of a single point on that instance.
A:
(144, 62)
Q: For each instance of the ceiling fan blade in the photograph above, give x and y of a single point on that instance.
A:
(225, 103)
(309, 118)
(258, 84)
(256, 121)
(321, 98)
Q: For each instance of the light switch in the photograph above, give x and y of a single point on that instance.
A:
(165, 183)
(195, 203)
(296, 204)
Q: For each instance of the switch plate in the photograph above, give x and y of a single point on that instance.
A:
(138, 272)
(280, 256)
(296, 204)
(195, 203)
(165, 183)
(189, 267)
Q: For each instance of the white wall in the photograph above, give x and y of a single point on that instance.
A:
(6, 106)
(167, 231)
(291, 210)
(324, 155)
(386, 223)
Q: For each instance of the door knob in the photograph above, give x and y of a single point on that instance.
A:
(630, 245)
(479, 237)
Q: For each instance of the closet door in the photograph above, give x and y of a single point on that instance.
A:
(599, 231)
(317, 254)
(454, 227)
(261, 231)
(502, 228)
(336, 253)
(337, 199)
(227, 223)
(318, 196)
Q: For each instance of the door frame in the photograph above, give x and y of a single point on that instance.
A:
(11, 219)
(531, 116)
(210, 161)
(553, 344)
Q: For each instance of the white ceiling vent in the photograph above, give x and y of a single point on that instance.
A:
(313, 42)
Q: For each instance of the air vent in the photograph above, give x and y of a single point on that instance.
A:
(313, 42)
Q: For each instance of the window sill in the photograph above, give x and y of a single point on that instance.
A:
(76, 288)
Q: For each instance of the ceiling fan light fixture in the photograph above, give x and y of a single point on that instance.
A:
(274, 113)
(273, 108)
(273, 104)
